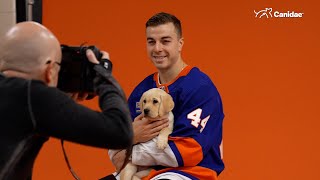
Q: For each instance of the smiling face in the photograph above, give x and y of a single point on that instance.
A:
(164, 46)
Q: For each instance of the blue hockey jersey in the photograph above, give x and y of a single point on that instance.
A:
(196, 139)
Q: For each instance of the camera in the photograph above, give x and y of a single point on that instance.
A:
(76, 73)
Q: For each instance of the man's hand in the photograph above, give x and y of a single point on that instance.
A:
(92, 58)
(118, 159)
(144, 129)
(78, 96)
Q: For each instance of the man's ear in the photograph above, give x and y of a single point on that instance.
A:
(49, 73)
(181, 43)
(141, 103)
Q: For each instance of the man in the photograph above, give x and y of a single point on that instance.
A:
(32, 109)
(194, 145)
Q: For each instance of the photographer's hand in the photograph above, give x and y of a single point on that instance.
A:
(92, 58)
(78, 96)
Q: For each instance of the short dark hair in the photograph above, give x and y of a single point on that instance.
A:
(164, 18)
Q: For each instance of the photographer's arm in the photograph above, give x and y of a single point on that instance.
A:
(59, 116)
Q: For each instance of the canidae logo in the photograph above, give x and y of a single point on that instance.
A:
(267, 12)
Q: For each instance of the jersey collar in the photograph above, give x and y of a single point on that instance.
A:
(165, 86)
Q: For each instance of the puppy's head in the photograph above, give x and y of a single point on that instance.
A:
(155, 103)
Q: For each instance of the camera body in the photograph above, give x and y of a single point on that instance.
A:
(76, 73)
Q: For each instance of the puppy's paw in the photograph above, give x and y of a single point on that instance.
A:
(162, 143)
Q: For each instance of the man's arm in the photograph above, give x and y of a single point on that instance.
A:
(144, 130)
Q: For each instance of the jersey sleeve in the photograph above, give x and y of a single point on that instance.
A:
(197, 132)
(134, 105)
(198, 126)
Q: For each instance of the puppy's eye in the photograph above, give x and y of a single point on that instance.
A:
(144, 101)
(155, 101)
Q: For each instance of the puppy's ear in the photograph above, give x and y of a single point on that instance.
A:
(167, 103)
(141, 103)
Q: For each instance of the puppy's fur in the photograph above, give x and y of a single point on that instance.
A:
(154, 104)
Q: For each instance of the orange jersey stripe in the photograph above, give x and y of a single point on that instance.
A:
(190, 150)
(201, 173)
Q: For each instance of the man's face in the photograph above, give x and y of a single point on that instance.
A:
(163, 45)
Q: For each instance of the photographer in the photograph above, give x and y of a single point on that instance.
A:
(32, 108)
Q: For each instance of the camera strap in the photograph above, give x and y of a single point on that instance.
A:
(68, 163)
(106, 65)
(104, 69)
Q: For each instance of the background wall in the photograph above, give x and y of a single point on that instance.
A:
(267, 71)
(7, 15)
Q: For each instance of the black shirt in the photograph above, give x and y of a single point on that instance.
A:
(30, 112)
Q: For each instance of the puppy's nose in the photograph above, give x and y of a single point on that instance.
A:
(146, 111)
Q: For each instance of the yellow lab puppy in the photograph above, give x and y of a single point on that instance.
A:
(154, 104)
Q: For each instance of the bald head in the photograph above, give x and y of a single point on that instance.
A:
(27, 47)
